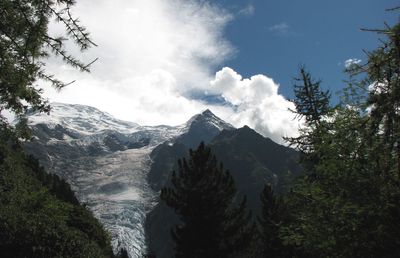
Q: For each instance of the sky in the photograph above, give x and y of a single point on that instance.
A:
(163, 61)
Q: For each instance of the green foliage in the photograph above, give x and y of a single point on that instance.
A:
(311, 102)
(347, 202)
(273, 215)
(203, 195)
(382, 80)
(39, 214)
(38, 219)
(25, 42)
(56, 185)
(328, 203)
(312, 107)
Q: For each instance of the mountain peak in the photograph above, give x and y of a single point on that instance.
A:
(207, 112)
(247, 129)
(208, 119)
(202, 127)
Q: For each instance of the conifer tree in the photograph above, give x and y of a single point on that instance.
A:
(312, 105)
(311, 102)
(203, 194)
(382, 81)
(271, 219)
(24, 44)
(350, 205)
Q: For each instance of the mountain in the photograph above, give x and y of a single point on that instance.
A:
(252, 160)
(80, 119)
(202, 127)
(117, 168)
(107, 161)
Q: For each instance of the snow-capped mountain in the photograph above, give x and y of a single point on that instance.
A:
(107, 161)
(117, 168)
(80, 119)
(202, 127)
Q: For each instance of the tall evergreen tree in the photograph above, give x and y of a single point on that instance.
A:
(272, 218)
(203, 194)
(348, 208)
(312, 105)
(382, 81)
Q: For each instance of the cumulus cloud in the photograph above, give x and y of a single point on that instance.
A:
(157, 62)
(352, 61)
(255, 101)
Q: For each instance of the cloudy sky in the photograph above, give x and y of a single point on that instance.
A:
(162, 61)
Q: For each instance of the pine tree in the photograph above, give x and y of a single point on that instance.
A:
(311, 102)
(382, 81)
(272, 218)
(312, 105)
(203, 194)
(350, 205)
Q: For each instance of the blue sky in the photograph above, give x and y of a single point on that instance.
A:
(163, 61)
(277, 36)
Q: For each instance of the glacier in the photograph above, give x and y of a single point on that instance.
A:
(106, 161)
(114, 188)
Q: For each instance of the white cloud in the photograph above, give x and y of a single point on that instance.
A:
(282, 28)
(249, 10)
(352, 61)
(154, 56)
(151, 53)
(257, 103)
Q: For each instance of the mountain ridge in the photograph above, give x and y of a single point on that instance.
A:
(117, 167)
(251, 159)
(106, 162)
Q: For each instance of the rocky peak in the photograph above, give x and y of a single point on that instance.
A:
(207, 119)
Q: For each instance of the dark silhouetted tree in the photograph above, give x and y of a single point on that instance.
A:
(272, 217)
(122, 253)
(312, 105)
(203, 194)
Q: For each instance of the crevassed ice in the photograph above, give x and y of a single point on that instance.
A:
(114, 187)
